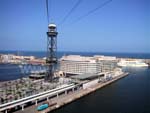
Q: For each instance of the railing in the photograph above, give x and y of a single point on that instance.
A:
(34, 97)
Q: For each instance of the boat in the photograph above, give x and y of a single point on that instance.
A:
(132, 63)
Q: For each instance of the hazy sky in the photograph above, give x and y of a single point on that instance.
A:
(120, 26)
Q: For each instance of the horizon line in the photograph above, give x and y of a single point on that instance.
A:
(74, 51)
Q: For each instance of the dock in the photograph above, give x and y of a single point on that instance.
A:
(66, 99)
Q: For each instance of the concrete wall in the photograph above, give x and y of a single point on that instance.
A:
(90, 83)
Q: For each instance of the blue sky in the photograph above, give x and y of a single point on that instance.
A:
(120, 26)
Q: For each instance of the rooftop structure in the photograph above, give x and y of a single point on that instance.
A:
(87, 76)
(52, 25)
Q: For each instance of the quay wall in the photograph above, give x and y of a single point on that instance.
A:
(82, 93)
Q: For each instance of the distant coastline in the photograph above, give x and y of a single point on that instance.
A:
(41, 54)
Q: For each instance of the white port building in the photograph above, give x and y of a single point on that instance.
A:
(76, 64)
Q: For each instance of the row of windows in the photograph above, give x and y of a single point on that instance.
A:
(84, 67)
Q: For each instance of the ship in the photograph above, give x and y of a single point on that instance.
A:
(132, 63)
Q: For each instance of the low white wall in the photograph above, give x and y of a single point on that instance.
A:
(90, 83)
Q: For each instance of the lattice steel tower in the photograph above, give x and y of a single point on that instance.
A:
(51, 51)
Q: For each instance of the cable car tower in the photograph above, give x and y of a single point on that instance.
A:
(51, 51)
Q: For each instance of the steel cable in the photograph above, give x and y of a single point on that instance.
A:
(69, 13)
(92, 11)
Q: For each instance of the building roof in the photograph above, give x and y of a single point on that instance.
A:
(85, 76)
(51, 25)
(86, 58)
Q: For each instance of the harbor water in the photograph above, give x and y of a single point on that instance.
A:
(127, 95)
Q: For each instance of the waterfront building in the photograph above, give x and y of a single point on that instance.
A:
(76, 64)
(132, 63)
(6, 58)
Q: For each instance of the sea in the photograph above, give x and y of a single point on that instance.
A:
(127, 95)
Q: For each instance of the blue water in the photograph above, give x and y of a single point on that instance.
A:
(10, 72)
(127, 95)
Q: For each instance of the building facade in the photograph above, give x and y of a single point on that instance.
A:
(75, 64)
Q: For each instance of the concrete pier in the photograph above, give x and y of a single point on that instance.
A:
(62, 99)
(66, 99)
